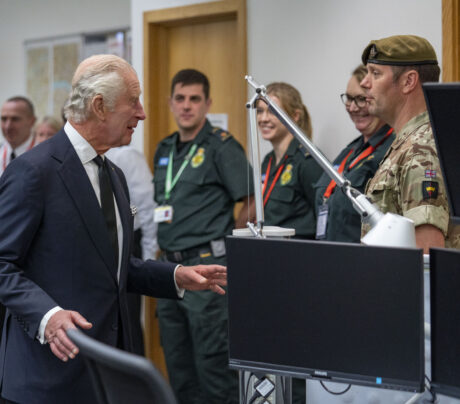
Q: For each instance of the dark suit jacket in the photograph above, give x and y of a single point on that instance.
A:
(55, 250)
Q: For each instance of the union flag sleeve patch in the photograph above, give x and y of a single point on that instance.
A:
(430, 189)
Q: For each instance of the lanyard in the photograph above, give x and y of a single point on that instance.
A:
(369, 150)
(267, 173)
(330, 188)
(5, 149)
(170, 182)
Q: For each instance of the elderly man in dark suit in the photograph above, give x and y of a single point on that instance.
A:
(65, 243)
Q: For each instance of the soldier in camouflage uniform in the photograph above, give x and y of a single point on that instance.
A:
(200, 172)
(408, 181)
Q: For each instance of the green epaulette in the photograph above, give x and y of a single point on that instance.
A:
(303, 150)
(223, 135)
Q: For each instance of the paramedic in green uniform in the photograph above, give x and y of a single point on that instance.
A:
(200, 172)
(358, 162)
(288, 174)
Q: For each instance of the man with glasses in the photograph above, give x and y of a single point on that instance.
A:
(337, 219)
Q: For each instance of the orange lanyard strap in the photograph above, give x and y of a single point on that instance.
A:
(330, 188)
(267, 173)
(5, 156)
(369, 150)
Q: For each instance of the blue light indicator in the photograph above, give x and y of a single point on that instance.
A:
(378, 380)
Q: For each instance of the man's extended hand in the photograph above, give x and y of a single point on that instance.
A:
(201, 277)
(55, 333)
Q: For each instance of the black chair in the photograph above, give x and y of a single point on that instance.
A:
(120, 377)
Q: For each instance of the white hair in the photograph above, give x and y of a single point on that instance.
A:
(98, 75)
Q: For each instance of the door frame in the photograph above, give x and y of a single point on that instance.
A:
(450, 40)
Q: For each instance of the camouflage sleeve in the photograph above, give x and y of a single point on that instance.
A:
(422, 192)
(453, 236)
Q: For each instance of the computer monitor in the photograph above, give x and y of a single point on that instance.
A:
(445, 321)
(443, 103)
(331, 311)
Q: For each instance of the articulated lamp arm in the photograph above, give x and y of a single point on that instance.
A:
(388, 229)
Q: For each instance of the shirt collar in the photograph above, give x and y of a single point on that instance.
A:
(21, 148)
(198, 139)
(410, 127)
(84, 150)
(379, 135)
(293, 146)
(203, 133)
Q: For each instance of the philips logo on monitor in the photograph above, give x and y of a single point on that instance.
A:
(320, 373)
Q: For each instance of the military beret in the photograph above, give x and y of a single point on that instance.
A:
(400, 50)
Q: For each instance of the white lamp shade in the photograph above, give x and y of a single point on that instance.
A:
(392, 231)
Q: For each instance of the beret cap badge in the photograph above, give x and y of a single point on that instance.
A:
(373, 52)
(400, 50)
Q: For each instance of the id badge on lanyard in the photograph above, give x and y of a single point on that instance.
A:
(321, 223)
(164, 213)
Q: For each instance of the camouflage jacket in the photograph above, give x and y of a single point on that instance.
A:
(409, 180)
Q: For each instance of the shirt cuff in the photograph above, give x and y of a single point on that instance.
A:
(180, 291)
(44, 322)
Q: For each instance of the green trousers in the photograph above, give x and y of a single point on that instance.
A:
(194, 336)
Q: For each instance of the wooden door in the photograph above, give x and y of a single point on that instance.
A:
(450, 40)
(210, 37)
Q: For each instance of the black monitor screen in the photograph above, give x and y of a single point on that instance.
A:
(443, 102)
(332, 311)
(445, 321)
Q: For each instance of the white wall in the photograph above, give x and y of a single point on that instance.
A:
(314, 45)
(137, 9)
(22, 20)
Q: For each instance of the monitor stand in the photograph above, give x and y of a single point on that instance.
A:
(281, 394)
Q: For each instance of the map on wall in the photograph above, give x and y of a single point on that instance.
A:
(51, 63)
(38, 78)
(65, 61)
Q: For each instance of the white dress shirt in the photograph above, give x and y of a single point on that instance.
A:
(6, 150)
(86, 154)
(139, 178)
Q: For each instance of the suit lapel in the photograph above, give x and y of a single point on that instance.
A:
(77, 183)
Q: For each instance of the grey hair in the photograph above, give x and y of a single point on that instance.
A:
(97, 75)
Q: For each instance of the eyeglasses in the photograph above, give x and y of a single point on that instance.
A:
(359, 100)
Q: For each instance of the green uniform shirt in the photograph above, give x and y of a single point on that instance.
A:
(204, 196)
(291, 203)
(344, 222)
(409, 180)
